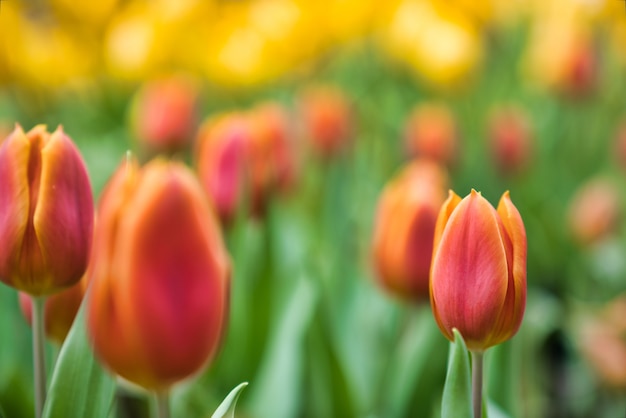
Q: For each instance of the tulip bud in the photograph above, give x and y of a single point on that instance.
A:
(510, 140)
(223, 147)
(594, 211)
(158, 303)
(327, 120)
(405, 227)
(46, 212)
(478, 275)
(60, 310)
(430, 132)
(164, 114)
(272, 155)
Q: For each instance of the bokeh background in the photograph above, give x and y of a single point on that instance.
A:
(310, 328)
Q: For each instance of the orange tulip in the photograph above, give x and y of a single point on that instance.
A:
(60, 310)
(405, 227)
(46, 212)
(164, 114)
(327, 120)
(245, 155)
(431, 132)
(158, 304)
(478, 275)
(510, 139)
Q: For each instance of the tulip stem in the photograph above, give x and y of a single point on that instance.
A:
(162, 404)
(39, 360)
(477, 383)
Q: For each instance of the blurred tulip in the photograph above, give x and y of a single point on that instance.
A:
(60, 310)
(327, 119)
(46, 207)
(245, 156)
(430, 132)
(405, 228)
(164, 114)
(158, 303)
(562, 56)
(510, 139)
(602, 342)
(221, 158)
(273, 162)
(478, 275)
(594, 211)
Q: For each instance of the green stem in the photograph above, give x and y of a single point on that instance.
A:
(477, 383)
(162, 404)
(39, 360)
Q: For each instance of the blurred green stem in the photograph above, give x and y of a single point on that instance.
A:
(39, 361)
(162, 404)
(477, 382)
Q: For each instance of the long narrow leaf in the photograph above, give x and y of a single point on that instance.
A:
(80, 387)
(457, 392)
(227, 407)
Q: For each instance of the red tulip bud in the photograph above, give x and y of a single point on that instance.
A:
(164, 114)
(327, 120)
(46, 212)
(158, 303)
(478, 276)
(510, 140)
(405, 228)
(594, 211)
(430, 132)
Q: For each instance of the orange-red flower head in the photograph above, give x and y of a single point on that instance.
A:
(478, 274)
(430, 132)
(405, 227)
(158, 303)
(46, 211)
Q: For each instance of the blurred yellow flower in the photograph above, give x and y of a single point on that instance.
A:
(440, 45)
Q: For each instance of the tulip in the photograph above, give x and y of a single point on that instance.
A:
(221, 159)
(478, 276)
(594, 211)
(60, 310)
(46, 212)
(327, 120)
(405, 228)
(272, 162)
(158, 304)
(430, 132)
(164, 113)
(245, 155)
(510, 140)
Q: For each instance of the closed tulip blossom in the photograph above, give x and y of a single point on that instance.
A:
(478, 276)
(158, 303)
(405, 227)
(46, 211)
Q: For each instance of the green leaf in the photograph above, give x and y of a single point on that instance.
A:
(278, 384)
(227, 407)
(79, 387)
(457, 391)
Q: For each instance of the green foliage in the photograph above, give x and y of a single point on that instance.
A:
(79, 386)
(457, 392)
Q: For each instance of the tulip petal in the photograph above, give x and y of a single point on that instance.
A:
(468, 277)
(63, 218)
(516, 233)
(446, 210)
(20, 258)
(177, 281)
